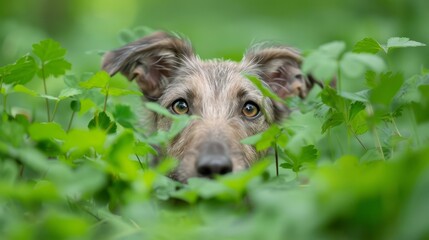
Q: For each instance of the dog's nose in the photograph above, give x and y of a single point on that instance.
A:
(213, 160)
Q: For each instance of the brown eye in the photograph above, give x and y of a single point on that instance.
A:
(250, 110)
(180, 107)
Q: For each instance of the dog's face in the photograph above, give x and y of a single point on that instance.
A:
(229, 107)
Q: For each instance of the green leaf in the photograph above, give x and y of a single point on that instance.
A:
(119, 92)
(367, 45)
(239, 182)
(334, 119)
(361, 96)
(187, 195)
(48, 50)
(333, 49)
(22, 89)
(82, 140)
(69, 92)
(389, 85)
(102, 121)
(358, 124)
(86, 104)
(355, 65)
(303, 128)
(143, 149)
(264, 89)
(33, 159)
(85, 180)
(371, 79)
(99, 80)
(309, 153)
(371, 155)
(326, 70)
(409, 91)
(124, 115)
(323, 62)
(252, 140)
(43, 131)
(155, 107)
(11, 133)
(204, 188)
(62, 225)
(57, 67)
(166, 165)
(355, 108)
(119, 152)
(286, 165)
(51, 148)
(8, 172)
(402, 42)
(265, 140)
(51, 55)
(179, 123)
(21, 72)
(331, 98)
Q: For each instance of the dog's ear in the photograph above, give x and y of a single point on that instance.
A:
(279, 67)
(151, 61)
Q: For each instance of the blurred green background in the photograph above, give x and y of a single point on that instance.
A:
(217, 28)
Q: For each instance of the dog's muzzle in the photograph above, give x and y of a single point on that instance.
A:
(213, 159)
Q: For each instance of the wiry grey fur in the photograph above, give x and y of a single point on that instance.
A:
(166, 69)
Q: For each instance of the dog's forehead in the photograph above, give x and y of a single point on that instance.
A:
(217, 77)
(213, 80)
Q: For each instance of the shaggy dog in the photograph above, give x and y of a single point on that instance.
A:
(229, 106)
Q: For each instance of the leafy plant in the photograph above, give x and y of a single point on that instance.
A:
(353, 163)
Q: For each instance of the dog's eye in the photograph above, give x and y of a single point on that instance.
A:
(250, 110)
(180, 107)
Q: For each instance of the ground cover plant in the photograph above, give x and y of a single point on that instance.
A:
(344, 165)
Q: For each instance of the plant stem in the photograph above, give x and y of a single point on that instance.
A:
(21, 170)
(377, 138)
(414, 125)
(360, 142)
(339, 80)
(85, 209)
(105, 99)
(140, 162)
(109, 127)
(46, 92)
(4, 96)
(4, 103)
(277, 159)
(70, 122)
(395, 126)
(55, 111)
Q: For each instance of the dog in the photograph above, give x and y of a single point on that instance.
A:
(230, 107)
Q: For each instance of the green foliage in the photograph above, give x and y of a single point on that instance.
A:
(51, 56)
(370, 45)
(21, 72)
(323, 63)
(353, 163)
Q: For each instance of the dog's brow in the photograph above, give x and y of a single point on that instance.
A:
(242, 93)
(176, 93)
(189, 94)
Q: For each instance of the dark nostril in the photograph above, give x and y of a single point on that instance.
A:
(204, 170)
(210, 165)
(225, 169)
